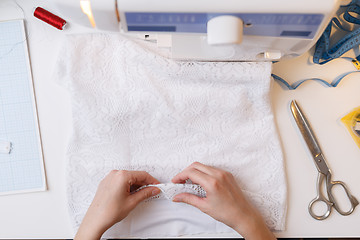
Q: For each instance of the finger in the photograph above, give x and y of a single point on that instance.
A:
(190, 199)
(194, 175)
(180, 177)
(143, 194)
(214, 172)
(200, 167)
(141, 178)
(205, 168)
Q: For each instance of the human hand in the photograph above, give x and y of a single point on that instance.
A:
(224, 200)
(113, 201)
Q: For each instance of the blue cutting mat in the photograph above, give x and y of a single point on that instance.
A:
(22, 170)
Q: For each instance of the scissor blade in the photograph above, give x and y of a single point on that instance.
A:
(309, 138)
(305, 129)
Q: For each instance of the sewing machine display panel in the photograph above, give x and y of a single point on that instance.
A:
(256, 24)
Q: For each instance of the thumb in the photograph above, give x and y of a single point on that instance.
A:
(145, 193)
(189, 198)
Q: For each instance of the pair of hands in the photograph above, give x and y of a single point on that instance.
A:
(224, 201)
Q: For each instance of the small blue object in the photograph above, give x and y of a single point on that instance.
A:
(323, 52)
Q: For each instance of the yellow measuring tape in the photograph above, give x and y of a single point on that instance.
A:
(356, 64)
(352, 123)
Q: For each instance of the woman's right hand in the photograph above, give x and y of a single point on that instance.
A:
(224, 200)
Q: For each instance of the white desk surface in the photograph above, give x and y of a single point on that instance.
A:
(45, 215)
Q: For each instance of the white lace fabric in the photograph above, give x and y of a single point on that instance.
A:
(170, 190)
(135, 109)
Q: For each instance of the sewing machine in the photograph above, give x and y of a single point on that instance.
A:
(227, 30)
(44, 215)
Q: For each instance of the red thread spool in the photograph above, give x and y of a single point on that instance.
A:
(50, 18)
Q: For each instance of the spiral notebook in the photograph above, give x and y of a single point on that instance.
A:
(21, 158)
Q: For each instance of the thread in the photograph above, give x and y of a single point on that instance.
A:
(50, 18)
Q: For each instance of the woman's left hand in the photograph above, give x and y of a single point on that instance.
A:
(113, 201)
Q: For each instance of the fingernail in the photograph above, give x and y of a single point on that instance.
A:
(155, 192)
(176, 199)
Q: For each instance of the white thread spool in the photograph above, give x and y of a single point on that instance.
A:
(225, 30)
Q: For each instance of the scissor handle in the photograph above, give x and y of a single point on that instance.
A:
(353, 201)
(320, 198)
(327, 212)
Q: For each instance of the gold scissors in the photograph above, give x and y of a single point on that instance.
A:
(323, 169)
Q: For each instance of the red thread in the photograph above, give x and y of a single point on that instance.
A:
(49, 18)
